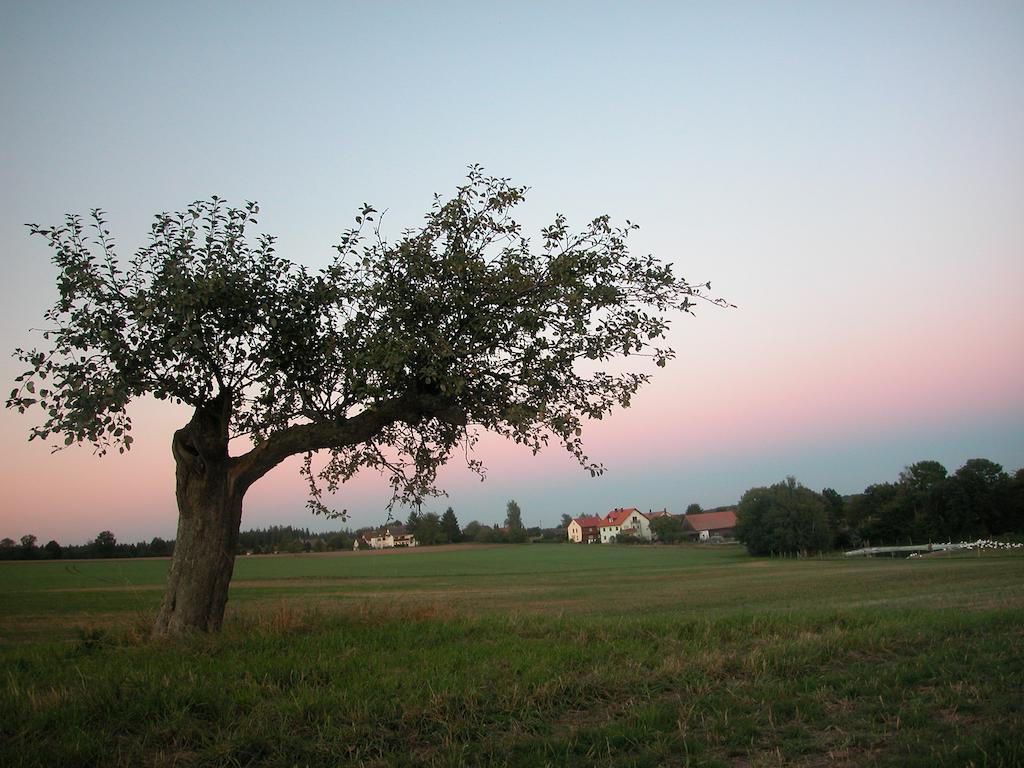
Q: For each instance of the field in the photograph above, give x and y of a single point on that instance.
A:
(523, 656)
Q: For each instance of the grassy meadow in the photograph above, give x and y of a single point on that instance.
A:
(523, 656)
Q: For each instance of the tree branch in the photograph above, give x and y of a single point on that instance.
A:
(361, 428)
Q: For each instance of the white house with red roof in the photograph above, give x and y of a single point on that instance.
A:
(590, 528)
(629, 522)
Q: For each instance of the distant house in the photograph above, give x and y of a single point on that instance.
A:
(630, 522)
(585, 530)
(708, 524)
(387, 538)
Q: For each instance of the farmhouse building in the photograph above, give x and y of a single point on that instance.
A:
(387, 538)
(584, 530)
(708, 524)
(631, 522)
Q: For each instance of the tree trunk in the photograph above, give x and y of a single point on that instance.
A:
(211, 484)
(209, 516)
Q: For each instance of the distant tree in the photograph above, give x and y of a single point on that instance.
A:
(1015, 505)
(472, 531)
(785, 518)
(450, 527)
(6, 543)
(428, 530)
(920, 509)
(28, 546)
(53, 550)
(339, 541)
(159, 547)
(869, 513)
(514, 523)
(980, 498)
(923, 475)
(412, 525)
(694, 509)
(105, 544)
(383, 359)
(565, 522)
(668, 529)
(839, 529)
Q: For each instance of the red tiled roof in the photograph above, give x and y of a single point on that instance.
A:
(618, 516)
(712, 521)
(588, 521)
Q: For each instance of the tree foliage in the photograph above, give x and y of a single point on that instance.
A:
(928, 504)
(785, 518)
(668, 529)
(514, 523)
(105, 544)
(450, 529)
(383, 358)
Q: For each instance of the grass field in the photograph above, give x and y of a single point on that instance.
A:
(523, 656)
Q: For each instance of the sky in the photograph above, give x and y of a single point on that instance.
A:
(850, 176)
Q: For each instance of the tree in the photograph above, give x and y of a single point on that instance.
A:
(450, 527)
(429, 531)
(53, 550)
(668, 529)
(514, 523)
(412, 524)
(565, 522)
(158, 547)
(472, 531)
(838, 527)
(341, 541)
(104, 544)
(979, 499)
(28, 546)
(784, 518)
(694, 509)
(1015, 505)
(392, 357)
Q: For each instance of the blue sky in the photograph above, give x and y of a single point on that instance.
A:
(851, 176)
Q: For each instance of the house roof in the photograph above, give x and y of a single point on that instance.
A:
(711, 521)
(588, 521)
(618, 516)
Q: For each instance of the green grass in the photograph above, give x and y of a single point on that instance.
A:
(523, 656)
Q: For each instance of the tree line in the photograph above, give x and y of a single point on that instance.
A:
(925, 504)
(104, 545)
(429, 529)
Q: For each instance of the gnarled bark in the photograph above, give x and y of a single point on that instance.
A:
(209, 516)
